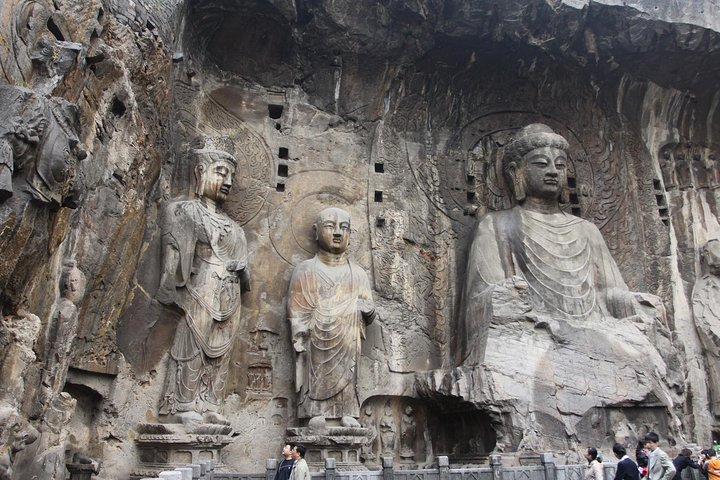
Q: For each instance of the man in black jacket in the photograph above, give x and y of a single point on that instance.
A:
(626, 468)
(286, 465)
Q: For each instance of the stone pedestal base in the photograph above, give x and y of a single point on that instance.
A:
(167, 446)
(344, 444)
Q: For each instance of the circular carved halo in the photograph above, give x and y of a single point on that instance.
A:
(291, 221)
(591, 166)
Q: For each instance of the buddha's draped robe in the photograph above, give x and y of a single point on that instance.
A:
(564, 259)
(323, 310)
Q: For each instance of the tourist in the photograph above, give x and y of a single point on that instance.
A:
(595, 468)
(626, 468)
(659, 465)
(712, 465)
(300, 470)
(286, 465)
(641, 457)
(682, 461)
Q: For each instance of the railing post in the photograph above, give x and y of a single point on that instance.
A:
(329, 469)
(195, 470)
(387, 464)
(271, 466)
(171, 475)
(496, 465)
(443, 467)
(548, 462)
(186, 472)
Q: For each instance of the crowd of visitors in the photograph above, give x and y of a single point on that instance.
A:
(652, 463)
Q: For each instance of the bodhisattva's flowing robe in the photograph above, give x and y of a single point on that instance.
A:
(324, 314)
(199, 248)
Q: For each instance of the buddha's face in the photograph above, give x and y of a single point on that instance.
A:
(332, 230)
(545, 173)
(217, 180)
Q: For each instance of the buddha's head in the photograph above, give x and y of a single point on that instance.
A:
(332, 230)
(214, 172)
(535, 164)
(72, 282)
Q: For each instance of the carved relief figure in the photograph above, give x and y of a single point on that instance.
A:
(46, 457)
(387, 431)
(368, 449)
(667, 167)
(699, 171)
(683, 170)
(15, 435)
(63, 327)
(204, 273)
(329, 305)
(706, 309)
(408, 432)
(714, 168)
(39, 147)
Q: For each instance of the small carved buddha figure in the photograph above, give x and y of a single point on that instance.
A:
(329, 305)
(683, 168)
(667, 167)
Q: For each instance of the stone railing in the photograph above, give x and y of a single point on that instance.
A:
(546, 470)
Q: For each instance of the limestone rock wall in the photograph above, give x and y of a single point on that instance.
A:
(396, 111)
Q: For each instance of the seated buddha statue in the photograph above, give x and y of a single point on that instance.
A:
(545, 309)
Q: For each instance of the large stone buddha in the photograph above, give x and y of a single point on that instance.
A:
(545, 309)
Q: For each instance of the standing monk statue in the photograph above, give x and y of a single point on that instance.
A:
(204, 272)
(329, 305)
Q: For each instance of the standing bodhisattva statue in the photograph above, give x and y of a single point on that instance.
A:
(329, 305)
(204, 272)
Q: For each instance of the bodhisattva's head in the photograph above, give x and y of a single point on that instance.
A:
(535, 165)
(710, 254)
(332, 230)
(214, 172)
(72, 282)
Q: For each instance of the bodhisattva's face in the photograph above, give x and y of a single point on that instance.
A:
(217, 181)
(333, 231)
(545, 171)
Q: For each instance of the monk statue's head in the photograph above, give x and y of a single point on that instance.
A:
(332, 230)
(710, 256)
(214, 172)
(72, 282)
(535, 164)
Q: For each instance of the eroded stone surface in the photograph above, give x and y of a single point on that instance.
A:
(396, 112)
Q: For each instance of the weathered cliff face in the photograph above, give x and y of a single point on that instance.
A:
(395, 111)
